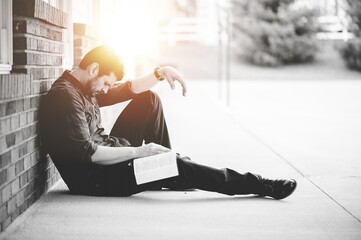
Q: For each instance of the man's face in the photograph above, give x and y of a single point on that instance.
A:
(101, 84)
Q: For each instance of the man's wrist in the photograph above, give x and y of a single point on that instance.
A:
(158, 75)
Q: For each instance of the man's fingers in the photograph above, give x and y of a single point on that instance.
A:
(171, 83)
(184, 86)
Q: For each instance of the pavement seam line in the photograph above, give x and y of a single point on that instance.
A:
(290, 164)
(233, 118)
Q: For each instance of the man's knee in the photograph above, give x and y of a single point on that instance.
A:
(149, 97)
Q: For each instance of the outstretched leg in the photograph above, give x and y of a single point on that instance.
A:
(119, 180)
(225, 181)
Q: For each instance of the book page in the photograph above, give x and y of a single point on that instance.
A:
(155, 167)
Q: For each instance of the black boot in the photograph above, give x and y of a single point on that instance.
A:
(279, 188)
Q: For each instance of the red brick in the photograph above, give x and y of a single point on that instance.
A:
(20, 199)
(10, 107)
(15, 214)
(5, 159)
(3, 129)
(34, 102)
(19, 136)
(6, 193)
(15, 154)
(3, 176)
(23, 118)
(27, 104)
(19, 105)
(3, 109)
(10, 139)
(27, 162)
(11, 171)
(31, 199)
(11, 205)
(23, 179)
(23, 206)
(19, 166)
(2, 143)
(3, 213)
(15, 186)
(23, 149)
(15, 122)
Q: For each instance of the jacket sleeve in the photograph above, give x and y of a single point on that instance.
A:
(120, 92)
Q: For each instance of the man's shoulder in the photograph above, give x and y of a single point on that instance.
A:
(62, 88)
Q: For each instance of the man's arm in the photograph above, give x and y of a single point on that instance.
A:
(110, 155)
(145, 83)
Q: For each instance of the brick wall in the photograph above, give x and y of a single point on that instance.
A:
(85, 38)
(26, 171)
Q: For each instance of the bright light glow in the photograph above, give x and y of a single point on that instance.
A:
(129, 28)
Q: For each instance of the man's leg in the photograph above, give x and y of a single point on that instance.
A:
(143, 119)
(119, 180)
(225, 181)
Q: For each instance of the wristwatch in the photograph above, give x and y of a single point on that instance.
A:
(156, 74)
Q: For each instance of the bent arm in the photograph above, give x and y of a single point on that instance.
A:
(146, 82)
(111, 155)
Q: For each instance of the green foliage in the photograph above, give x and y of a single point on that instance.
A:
(351, 51)
(354, 11)
(274, 32)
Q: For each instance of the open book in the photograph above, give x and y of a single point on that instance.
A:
(155, 167)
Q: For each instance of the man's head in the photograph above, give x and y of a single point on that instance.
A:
(103, 67)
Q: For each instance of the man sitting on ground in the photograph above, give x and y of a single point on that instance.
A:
(94, 163)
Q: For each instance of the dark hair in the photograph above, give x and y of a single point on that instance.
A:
(106, 58)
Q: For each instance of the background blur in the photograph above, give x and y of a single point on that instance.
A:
(287, 72)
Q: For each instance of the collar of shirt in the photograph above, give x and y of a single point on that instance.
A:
(75, 82)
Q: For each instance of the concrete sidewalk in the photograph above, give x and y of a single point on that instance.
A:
(210, 135)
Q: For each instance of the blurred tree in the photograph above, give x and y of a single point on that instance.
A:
(351, 51)
(274, 32)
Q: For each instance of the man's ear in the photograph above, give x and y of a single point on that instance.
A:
(94, 69)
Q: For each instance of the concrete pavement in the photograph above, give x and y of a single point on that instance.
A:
(325, 206)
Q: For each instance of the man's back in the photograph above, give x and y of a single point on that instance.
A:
(66, 122)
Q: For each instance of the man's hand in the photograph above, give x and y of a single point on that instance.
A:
(172, 75)
(150, 149)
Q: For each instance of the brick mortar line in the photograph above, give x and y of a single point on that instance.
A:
(14, 114)
(34, 204)
(45, 79)
(234, 119)
(28, 66)
(20, 189)
(39, 186)
(39, 22)
(21, 97)
(20, 173)
(14, 146)
(37, 37)
(51, 54)
(27, 212)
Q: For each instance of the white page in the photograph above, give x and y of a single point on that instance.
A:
(155, 167)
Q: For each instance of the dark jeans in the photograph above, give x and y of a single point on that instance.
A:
(143, 120)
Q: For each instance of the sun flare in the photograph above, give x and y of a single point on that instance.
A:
(131, 29)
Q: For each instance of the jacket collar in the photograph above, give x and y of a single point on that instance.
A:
(75, 82)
